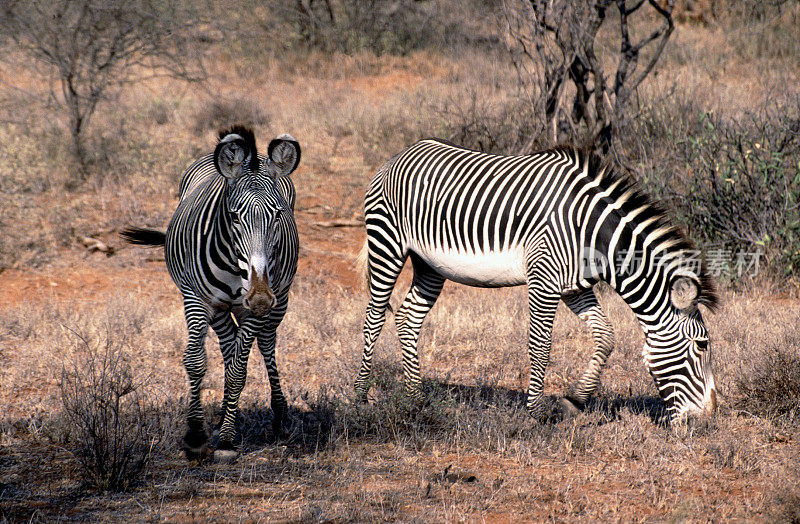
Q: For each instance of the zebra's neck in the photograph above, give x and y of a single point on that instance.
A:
(628, 243)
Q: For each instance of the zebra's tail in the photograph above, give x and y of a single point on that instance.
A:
(142, 236)
(362, 269)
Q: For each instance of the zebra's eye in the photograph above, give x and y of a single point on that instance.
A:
(702, 344)
(235, 219)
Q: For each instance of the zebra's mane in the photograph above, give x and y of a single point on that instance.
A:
(249, 139)
(641, 201)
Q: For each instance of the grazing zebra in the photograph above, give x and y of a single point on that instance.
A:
(231, 248)
(556, 221)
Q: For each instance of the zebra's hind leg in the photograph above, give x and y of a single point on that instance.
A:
(425, 289)
(588, 309)
(266, 345)
(194, 360)
(384, 264)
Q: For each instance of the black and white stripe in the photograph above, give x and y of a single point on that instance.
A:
(231, 248)
(556, 221)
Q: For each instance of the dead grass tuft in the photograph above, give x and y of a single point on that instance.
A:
(770, 384)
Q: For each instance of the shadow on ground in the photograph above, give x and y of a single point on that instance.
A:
(445, 408)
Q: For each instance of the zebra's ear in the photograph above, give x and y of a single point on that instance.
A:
(683, 293)
(284, 152)
(232, 156)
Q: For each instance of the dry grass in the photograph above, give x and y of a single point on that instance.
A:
(469, 451)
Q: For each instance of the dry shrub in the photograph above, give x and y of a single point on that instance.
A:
(761, 29)
(91, 51)
(378, 26)
(227, 110)
(112, 428)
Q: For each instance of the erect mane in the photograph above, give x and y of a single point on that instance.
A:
(249, 139)
(639, 200)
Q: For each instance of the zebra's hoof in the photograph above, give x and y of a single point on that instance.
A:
(225, 453)
(197, 454)
(286, 429)
(540, 416)
(195, 442)
(361, 395)
(279, 428)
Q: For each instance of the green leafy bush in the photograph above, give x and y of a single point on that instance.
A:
(734, 182)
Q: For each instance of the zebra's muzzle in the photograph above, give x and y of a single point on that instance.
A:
(259, 298)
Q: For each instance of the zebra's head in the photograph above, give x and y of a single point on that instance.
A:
(676, 350)
(255, 208)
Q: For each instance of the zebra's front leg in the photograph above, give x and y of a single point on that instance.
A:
(588, 309)
(266, 345)
(425, 289)
(225, 328)
(235, 378)
(542, 305)
(194, 360)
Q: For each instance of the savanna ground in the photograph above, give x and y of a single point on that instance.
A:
(468, 451)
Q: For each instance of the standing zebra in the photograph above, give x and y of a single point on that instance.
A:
(231, 248)
(556, 221)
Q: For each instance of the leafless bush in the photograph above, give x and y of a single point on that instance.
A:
(380, 26)
(87, 49)
(558, 51)
(500, 127)
(113, 429)
(227, 110)
(763, 29)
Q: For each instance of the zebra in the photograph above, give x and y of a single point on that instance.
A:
(231, 248)
(558, 221)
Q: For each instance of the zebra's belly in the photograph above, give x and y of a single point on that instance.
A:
(490, 269)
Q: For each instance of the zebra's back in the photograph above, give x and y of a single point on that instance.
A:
(472, 213)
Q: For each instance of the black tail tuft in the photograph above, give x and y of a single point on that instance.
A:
(142, 236)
